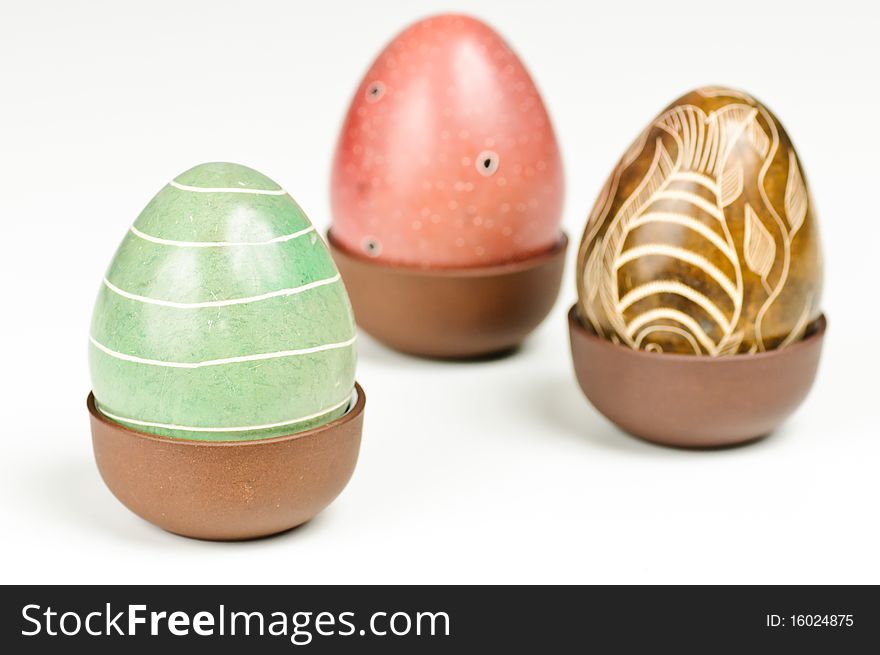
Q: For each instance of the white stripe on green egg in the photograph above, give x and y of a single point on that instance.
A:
(246, 428)
(222, 315)
(219, 244)
(243, 189)
(221, 303)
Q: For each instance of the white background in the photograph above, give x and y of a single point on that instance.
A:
(486, 472)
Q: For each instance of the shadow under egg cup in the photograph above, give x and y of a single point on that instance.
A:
(228, 490)
(451, 313)
(691, 401)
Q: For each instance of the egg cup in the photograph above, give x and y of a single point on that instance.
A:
(692, 401)
(228, 490)
(456, 313)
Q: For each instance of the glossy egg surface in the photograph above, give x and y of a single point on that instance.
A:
(703, 239)
(447, 157)
(222, 315)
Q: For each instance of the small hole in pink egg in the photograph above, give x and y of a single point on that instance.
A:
(487, 162)
(371, 246)
(375, 91)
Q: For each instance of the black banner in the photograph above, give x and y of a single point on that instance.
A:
(440, 619)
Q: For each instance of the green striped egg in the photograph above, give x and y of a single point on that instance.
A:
(222, 316)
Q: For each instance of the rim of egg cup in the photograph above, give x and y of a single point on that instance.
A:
(228, 490)
(693, 401)
(451, 312)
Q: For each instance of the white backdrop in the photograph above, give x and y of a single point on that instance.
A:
(512, 476)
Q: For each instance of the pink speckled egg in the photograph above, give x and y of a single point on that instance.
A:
(447, 157)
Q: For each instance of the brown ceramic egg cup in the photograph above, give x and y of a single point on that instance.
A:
(690, 401)
(456, 313)
(228, 490)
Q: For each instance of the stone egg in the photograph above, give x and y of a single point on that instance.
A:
(447, 157)
(222, 315)
(704, 238)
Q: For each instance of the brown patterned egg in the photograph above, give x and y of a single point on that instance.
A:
(704, 240)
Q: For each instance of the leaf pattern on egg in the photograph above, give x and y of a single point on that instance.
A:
(702, 241)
